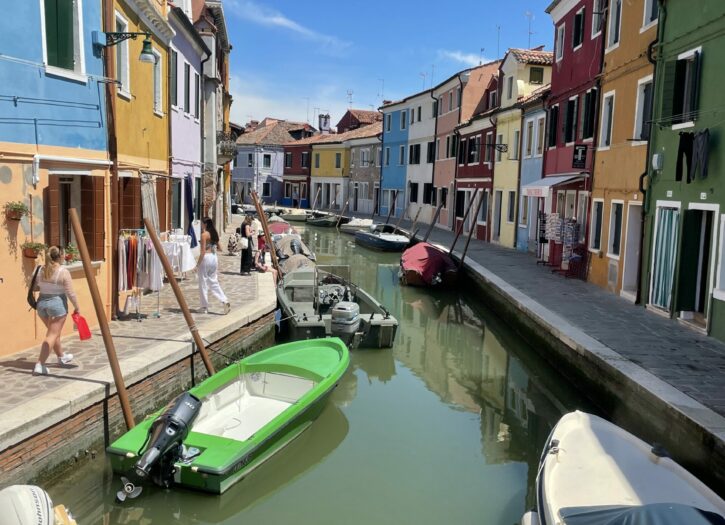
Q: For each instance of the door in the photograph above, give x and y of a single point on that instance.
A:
(355, 196)
(376, 200)
(630, 277)
(498, 197)
(693, 286)
(663, 259)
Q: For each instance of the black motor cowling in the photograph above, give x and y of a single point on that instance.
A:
(165, 439)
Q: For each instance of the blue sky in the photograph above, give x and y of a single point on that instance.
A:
(292, 59)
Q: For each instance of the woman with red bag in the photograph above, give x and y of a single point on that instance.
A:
(56, 288)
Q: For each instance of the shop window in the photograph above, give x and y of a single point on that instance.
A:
(287, 190)
(303, 190)
(615, 229)
(595, 235)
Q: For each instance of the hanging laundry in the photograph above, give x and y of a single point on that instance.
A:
(700, 154)
(684, 151)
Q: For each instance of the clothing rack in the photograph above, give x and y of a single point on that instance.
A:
(137, 291)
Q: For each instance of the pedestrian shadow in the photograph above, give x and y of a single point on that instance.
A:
(23, 363)
(25, 367)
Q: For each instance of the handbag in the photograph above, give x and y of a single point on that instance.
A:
(31, 291)
(245, 243)
(83, 331)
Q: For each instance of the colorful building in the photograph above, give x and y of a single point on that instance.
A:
(683, 274)
(330, 171)
(626, 112)
(571, 128)
(422, 116)
(296, 174)
(395, 153)
(365, 148)
(357, 118)
(53, 153)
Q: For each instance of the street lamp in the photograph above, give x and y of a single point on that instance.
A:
(147, 53)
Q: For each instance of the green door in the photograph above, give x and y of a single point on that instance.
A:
(689, 258)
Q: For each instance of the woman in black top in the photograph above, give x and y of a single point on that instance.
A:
(247, 252)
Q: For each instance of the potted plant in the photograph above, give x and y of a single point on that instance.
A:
(71, 253)
(15, 210)
(31, 250)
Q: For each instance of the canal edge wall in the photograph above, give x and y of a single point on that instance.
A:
(633, 397)
(52, 432)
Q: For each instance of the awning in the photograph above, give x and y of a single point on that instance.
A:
(541, 187)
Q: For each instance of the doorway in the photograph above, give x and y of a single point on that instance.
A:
(355, 196)
(376, 200)
(630, 274)
(497, 199)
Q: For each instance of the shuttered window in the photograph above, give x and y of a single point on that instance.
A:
(174, 78)
(59, 33)
(460, 203)
(578, 30)
(187, 88)
(590, 113)
(462, 151)
(571, 120)
(197, 94)
(157, 76)
(680, 88)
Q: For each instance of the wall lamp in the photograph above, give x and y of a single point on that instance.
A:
(111, 39)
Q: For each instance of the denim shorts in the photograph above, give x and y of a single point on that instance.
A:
(50, 306)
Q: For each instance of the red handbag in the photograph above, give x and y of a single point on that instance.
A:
(83, 331)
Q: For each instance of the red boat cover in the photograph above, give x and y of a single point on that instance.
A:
(426, 260)
(279, 228)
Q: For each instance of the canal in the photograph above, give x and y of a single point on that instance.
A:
(446, 427)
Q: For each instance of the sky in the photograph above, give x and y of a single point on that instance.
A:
(294, 59)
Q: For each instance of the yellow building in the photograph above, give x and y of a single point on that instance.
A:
(522, 71)
(329, 173)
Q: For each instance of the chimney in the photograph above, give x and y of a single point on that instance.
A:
(324, 124)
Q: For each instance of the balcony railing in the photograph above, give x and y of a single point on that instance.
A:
(226, 146)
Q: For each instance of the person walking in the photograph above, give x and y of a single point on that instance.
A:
(56, 287)
(246, 264)
(207, 266)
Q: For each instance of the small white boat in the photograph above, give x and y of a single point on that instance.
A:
(356, 225)
(295, 215)
(594, 472)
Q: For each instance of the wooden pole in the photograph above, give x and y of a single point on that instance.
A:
(459, 230)
(415, 221)
(400, 219)
(470, 233)
(435, 218)
(102, 320)
(339, 217)
(179, 295)
(314, 202)
(391, 208)
(267, 235)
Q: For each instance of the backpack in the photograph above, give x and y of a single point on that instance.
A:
(31, 295)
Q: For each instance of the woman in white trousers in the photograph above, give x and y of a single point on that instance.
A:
(207, 265)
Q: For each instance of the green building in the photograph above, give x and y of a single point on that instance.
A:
(682, 264)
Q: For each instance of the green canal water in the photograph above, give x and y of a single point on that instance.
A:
(446, 427)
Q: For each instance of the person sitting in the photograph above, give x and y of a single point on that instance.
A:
(262, 267)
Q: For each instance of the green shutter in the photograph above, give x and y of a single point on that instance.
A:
(668, 89)
(59, 38)
(174, 87)
(687, 274)
(694, 85)
(51, 31)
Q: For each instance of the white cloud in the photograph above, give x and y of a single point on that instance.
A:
(467, 59)
(268, 17)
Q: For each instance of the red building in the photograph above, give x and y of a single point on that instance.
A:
(571, 126)
(357, 118)
(472, 170)
(296, 174)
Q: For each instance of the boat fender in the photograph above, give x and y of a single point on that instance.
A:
(530, 518)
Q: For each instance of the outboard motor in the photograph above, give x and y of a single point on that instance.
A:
(165, 440)
(345, 321)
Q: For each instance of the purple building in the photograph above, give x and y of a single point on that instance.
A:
(185, 57)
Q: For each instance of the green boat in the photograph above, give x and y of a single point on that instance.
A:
(218, 432)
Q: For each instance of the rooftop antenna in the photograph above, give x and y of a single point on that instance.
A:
(349, 98)
(498, 41)
(315, 112)
(480, 57)
(308, 108)
(530, 16)
(424, 75)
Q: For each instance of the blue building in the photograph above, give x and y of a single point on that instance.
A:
(53, 139)
(533, 193)
(395, 150)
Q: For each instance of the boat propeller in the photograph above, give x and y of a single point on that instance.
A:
(129, 490)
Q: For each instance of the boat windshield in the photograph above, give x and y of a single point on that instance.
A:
(652, 514)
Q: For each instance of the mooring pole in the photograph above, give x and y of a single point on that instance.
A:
(391, 208)
(339, 217)
(400, 219)
(102, 319)
(314, 202)
(415, 221)
(432, 223)
(151, 230)
(459, 230)
(470, 233)
(267, 235)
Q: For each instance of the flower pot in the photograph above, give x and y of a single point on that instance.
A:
(14, 215)
(30, 253)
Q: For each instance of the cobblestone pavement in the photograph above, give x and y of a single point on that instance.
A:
(688, 360)
(130, 336)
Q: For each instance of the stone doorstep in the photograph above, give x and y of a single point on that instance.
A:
(588, 347)
(43, 411)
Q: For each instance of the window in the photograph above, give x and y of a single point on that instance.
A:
(401, 155)
(605, 134)
(187, 88)
(403, 121)
(615, 18)
(540, 136)
(487, 150)
(338, 160)
(680, 88)
(515, 145)
(434, 111)
(414, 154)
(571, 120)
(267, 160)
(651, 12)
(288, 159)
(412, 116)
(438, 148)
(413, 192)
(560, 42)
(643, 120)
(305, 159)
(595, 235)
(420, 110)
(492, 99)
(450, 100)
(287, 190)
(581, 215)
(511, 208)
(266, 189)
(536, 75)
(250, 160)
(483, 210)
(524, 211)
(157, 83)
(430, 157)
(528, 152)
(440, 105)
(364, 158)
(444, 198)
(123, 74)
(589, 113)
(388, 120)
(352, 158)
(197, 95)
(578, 30)
(453, 146)
(553, 125)
(615, 229)
(174, 80)
(597, 16)
(427, 192)
(378, 157)
(499, 141)
(387, 156)
(458, 97)
(509, 87)
(317, 160)
(460, 204)
(474, 149)
(63, 28)
(462, 151)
